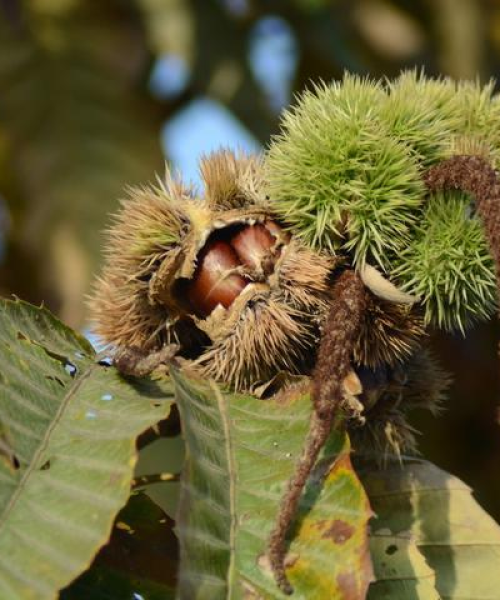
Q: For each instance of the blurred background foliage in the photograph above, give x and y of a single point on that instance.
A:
(95, 96)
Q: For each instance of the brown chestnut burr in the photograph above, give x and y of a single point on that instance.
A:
(253, 244)
(215, 281)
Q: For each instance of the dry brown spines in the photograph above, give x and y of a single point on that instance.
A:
(145, 233)
(390, 332)
(267, 338)
(389, 395)
(231, 181)
(272, 326)
(304, 278)
(154, 240)
(172, 259)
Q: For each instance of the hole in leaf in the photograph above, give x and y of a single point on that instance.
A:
(45, 466)
(107, 397)
(392, 549)
(70, 368)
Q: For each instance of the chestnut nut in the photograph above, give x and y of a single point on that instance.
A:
(217, 279)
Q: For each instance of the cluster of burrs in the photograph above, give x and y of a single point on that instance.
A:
(373, 216)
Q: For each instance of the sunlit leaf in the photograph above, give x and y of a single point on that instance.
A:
(430, 539)
(157, 472)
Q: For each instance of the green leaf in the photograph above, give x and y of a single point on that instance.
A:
(240, 453)
(157, 472)
(430, 539)
(140, 560)
(70, 426)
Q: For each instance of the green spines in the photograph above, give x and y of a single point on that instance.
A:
(440, 117)
(422, 113)
(337, 176)
(448, 264)
(346, 174)
(479, 132)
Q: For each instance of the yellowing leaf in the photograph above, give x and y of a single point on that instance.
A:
(430, 538)
(240, 454)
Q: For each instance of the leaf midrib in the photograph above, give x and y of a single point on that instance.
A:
(223, 410)
(44, 443)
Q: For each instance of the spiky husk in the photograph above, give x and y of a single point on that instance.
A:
(440, 118)
(340, 136)
(422, 113)
(448, 264)
(154, 242)
(389, 333)
(338, 176)
(478, 131)
(389, 396)
(278, 330)
(231, 181)
(156, 235)
(145, 233)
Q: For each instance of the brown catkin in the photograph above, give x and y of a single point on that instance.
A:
(342, 329)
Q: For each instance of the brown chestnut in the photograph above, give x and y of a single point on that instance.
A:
(253, 244)
(211, 284)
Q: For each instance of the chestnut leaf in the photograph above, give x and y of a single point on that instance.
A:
(430, 538)
(239, 456)
(427, 537)
(68, 430)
